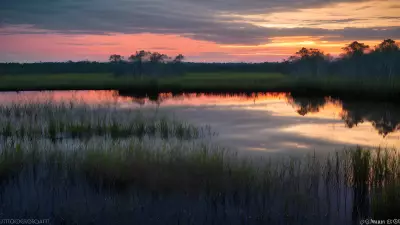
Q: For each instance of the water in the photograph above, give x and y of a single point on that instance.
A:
(259, 122)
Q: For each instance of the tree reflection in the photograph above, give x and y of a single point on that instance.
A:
(385, 117)
(307, 105)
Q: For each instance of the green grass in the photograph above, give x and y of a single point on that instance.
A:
(108, 81)
(63, 82)
(210, 82)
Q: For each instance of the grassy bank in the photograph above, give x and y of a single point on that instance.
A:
(355, 88)
(127, 166)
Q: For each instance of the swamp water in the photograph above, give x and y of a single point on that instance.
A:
(258, 122)
(101, 163)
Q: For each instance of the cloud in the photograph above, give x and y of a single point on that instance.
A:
(87, 44)
(210, 20)
(390, 17)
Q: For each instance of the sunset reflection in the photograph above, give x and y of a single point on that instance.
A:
(323, 118)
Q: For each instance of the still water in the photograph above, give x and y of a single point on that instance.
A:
(258, 122)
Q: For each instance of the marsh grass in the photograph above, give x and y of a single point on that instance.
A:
(386, 202)
(164, 169)
(11, 163)
(69, 120)
(374, 178)
(127, 166)
(206, 180)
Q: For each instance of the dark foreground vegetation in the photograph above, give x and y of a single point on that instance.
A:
(359, 72)
(154, 176)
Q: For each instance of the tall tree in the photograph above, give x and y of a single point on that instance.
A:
(355, 49)
(354, 53)
(179, 58)
(309, 61)
(388, 54)
(308, 53)
(138, 59)
(387, 45)
(115, 58)
(156, 57)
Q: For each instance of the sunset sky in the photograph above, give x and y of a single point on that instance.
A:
(202, 30)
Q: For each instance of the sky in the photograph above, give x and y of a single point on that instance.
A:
(202, 30)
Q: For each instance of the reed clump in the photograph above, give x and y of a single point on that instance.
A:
(167, 169)
(69, 120)
(11, 162)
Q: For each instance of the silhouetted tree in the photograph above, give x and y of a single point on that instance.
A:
(308, 61)
(156, 57)
(386, 56)
(355, 49)
(179, 58)
(138, 58)
(115, 58)
(352, 61)
(387, 45)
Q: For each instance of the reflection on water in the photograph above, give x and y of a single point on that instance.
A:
(294, 122)
(385, 117)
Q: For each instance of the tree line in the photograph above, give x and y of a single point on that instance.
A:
(358, 59)
(146, 63)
